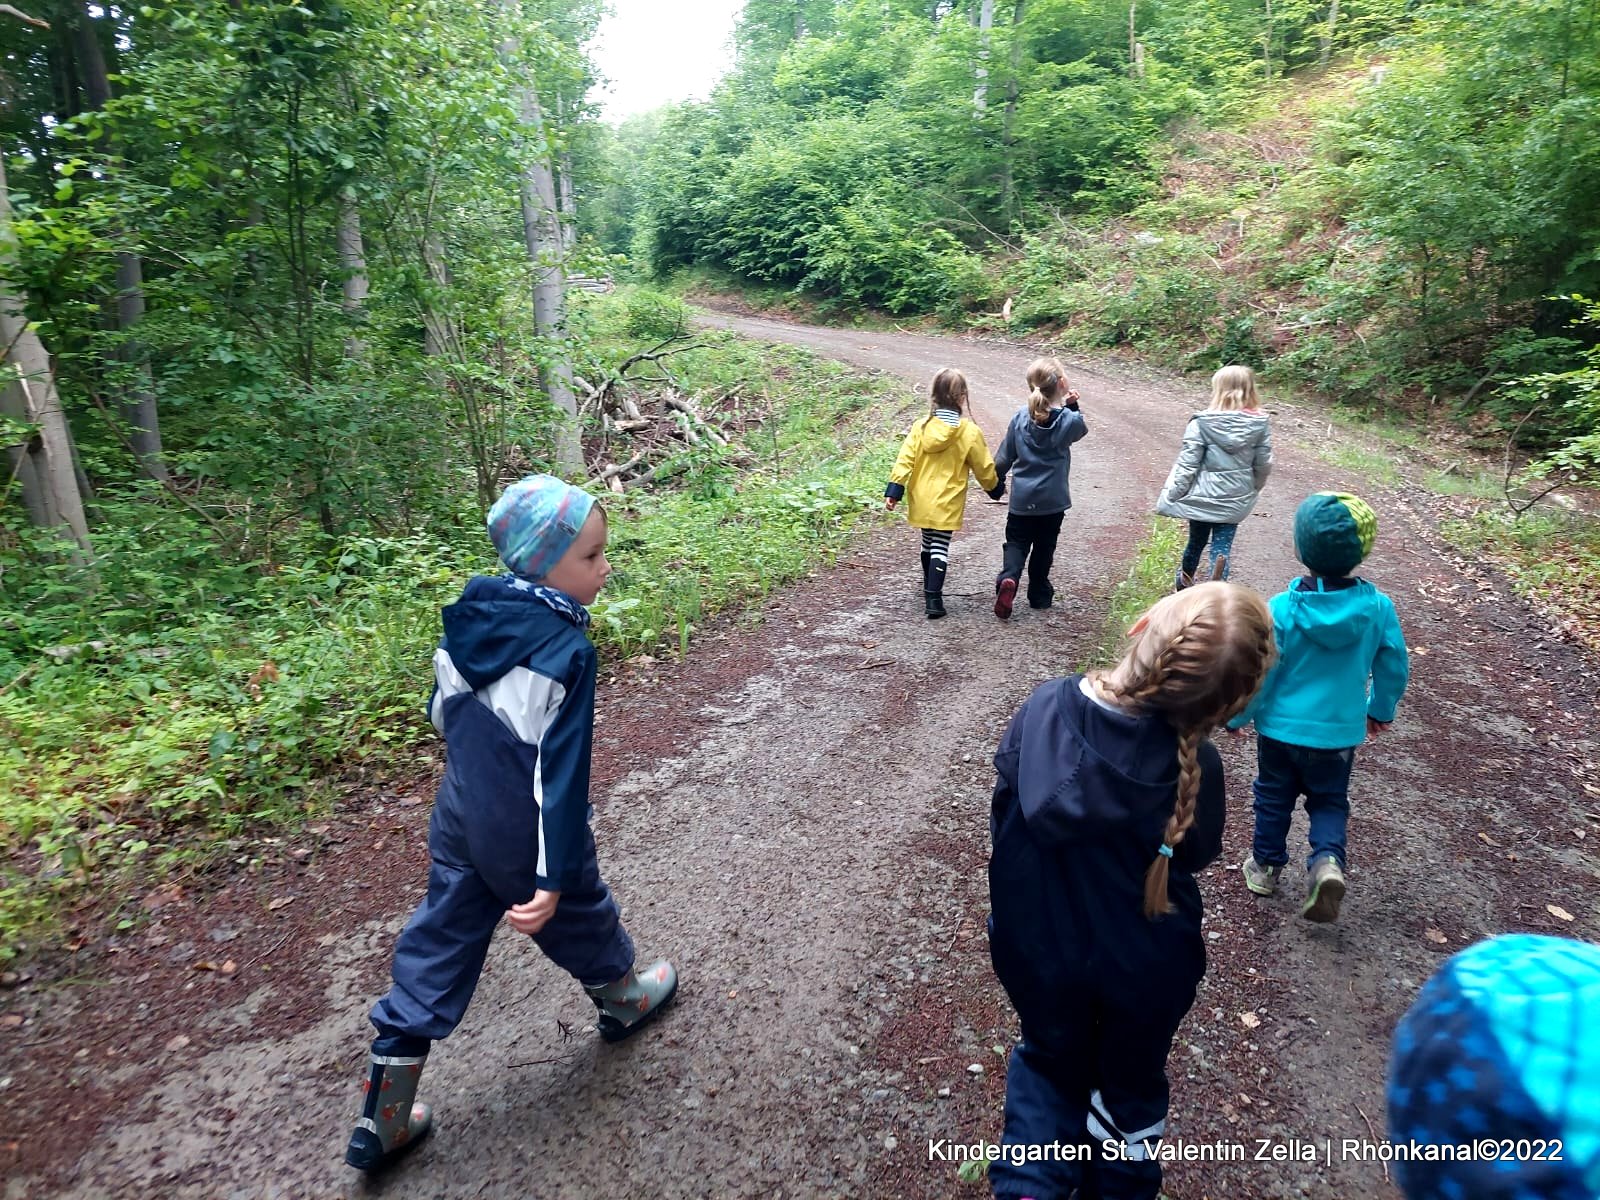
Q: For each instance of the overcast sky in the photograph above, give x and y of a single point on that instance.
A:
(653, 52)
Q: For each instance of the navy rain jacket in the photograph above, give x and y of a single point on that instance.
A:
(514, 698)
(1081, 801)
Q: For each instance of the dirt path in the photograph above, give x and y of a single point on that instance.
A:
(798, 816)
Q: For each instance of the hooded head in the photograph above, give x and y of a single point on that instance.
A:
(1503, 1043)
(1334, 533)
(534, 523)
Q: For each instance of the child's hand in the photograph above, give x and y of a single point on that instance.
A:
(889, 503)
(1072, 396)
(531, 916)
(1374, 728)
(1238, 734)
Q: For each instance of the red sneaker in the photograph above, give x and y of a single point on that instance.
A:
(1004, 593)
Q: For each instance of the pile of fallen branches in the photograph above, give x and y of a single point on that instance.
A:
(648, 434)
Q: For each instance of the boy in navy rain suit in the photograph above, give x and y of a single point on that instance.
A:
(514, 686)
(1107, 800)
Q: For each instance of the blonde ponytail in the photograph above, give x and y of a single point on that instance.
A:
(1048, 379)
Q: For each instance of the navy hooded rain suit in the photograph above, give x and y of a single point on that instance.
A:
(514, 682)
(1081, 801)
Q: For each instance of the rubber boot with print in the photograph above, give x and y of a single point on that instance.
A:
(626, 1005)
(391, 1120)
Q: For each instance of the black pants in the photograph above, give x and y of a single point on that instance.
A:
(1038, 534)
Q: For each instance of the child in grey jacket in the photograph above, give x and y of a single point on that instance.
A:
(1037, 453)
(1221, 469)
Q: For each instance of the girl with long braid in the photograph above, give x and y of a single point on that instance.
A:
(1108, 799)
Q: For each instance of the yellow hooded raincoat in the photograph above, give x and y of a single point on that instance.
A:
(932, 467)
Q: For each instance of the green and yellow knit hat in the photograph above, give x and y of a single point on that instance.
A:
(1334, 532)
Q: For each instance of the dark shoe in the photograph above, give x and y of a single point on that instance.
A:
(1183, 580)
(1040, 597)
(391, 1120)
(935, 602)
(1326, 892)
(626, 1005)
(1005, 595)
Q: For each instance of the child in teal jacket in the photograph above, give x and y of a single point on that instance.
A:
(1342, 668)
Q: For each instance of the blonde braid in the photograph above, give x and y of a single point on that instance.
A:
(1197, 658)
(1156, 903)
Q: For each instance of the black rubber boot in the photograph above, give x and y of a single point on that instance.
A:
(391, 1120)
(933, 588)
(926, 558)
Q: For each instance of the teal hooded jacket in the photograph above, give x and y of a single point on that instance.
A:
(1341, 659)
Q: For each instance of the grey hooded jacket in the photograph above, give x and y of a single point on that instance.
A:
(1225, 460)
(1038, 458)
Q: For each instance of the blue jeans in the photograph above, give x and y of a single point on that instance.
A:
(1221, 539)
(1284, 773)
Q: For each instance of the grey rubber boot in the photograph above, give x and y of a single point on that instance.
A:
(391, 1120)
(633, 1000)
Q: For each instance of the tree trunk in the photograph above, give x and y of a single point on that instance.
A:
(353, 265)
(137, 383)
(565, 199)
(1007, 141)
(1266, 45)
(30, 396)
(980, 95)
(1325, 51)
(799, 20)
(541, 228)
(1133, 40)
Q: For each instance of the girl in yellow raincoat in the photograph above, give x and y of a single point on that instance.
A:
(933, 465)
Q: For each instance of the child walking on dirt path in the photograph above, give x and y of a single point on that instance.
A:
(1108, 798)
(934, 461)
(513, 696)
(1037, 454)
(1342, 668)
(1221, 469)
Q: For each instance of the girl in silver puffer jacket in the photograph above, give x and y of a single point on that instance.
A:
(1225, 461)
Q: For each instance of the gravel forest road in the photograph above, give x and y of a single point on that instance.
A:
(798, 816)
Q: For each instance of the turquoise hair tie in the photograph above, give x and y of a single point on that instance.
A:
(1166, 850)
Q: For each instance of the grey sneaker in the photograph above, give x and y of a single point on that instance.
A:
(1326, 891)
(1263, 881)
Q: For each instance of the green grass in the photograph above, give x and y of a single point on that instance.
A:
(1550, 556)
(1476, 485)
(1149, 578)
(252, 693)
(1370, 462)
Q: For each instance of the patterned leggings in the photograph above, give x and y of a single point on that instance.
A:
(936, 544)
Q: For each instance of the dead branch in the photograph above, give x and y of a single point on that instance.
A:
(616, 469)
(22, 16)
(662, 470)
(1519, 507)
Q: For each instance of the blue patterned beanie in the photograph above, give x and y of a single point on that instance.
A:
(535, 521)
(1503, 1046)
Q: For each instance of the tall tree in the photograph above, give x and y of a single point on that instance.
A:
(137, 384)
(1008, 123)
(980, 95)
(43, 463)
(541, 228)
